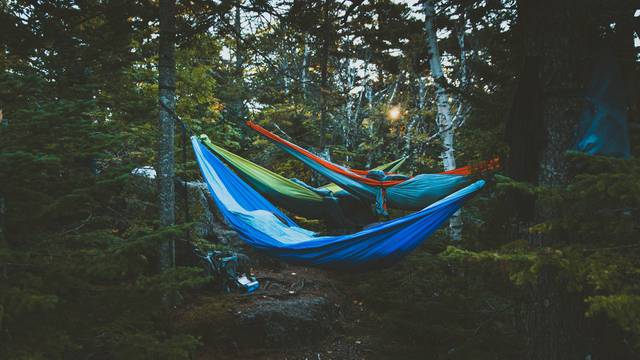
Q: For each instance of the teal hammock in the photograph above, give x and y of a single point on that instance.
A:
(385, 190)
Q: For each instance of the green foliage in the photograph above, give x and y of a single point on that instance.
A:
(624, 309)
(79, 236)
(594, 228)
(452, 305)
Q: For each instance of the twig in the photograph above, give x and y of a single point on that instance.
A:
(282, 131)
(613, 247)
(85, 222)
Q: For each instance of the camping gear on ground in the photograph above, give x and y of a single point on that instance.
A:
(223, 265)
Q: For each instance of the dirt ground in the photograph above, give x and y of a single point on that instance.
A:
(298, 313)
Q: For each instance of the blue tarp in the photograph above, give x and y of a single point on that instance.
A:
(603, 126)
(262, 225)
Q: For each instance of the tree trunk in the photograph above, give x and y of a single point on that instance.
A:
(3, 124)
(349, 121)
(369, 95)
(166, 171)
(238, 103)
(422, 86)
(2, 217)
(464, 68)
(353, 133)
(395, 90)
(444, 120)
(237, 30)
(285, 71)
(557, 36)
(324, 77)
(304, 76)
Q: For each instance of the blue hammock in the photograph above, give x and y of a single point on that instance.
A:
(262, 225)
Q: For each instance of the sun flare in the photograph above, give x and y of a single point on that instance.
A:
(394, 113)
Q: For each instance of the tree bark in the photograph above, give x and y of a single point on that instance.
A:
(166, 171)
(238, 37)
(304, 76)
(557, 36)
(369, 96)
(2, 217)
(444, 119)
(350, 119)
(238, 103)
(3, 124)
(324, 73)
(422, 90)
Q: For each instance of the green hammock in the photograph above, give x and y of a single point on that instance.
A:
(329, 202)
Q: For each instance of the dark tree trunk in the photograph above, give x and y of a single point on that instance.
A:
(238, 103)
(2, 217)
(238, 31)
(3, 124)
(556, 36)
(166, 171)
(324, 72)
(524, 132)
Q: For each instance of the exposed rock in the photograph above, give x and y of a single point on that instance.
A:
(209, 222)
(296, 308)
(286, 323)
(202, 211)
(243, 324)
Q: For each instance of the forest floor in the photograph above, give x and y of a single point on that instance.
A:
(298, 313)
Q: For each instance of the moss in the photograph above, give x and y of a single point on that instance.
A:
(211, 320)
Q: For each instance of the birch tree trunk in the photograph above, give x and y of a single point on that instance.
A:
(464, 70)
(395, 89)
(166, 171)
(444, 119)
(285, 52)
(304, 76)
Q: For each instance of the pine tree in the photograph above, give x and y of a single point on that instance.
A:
(166, 172)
